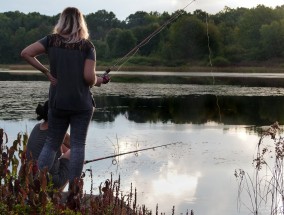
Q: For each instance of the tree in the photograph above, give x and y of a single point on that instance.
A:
(279, 12)
(102, 50)
(125, 41)
(143, 32)
(111, 40)
(249, 29)
(120, 42)
(188, 39)
(137, 19)
(200, 15)
(6, 48)
(229, 16)
(272, 39)
(100, 23)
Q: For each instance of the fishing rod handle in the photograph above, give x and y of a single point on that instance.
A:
(106, 77)
(107, 71)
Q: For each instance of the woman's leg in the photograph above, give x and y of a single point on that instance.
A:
(79, 124)
(58, 123)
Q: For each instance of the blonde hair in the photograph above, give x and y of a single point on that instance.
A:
(72, 24)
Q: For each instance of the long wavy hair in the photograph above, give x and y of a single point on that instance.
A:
(72, 24)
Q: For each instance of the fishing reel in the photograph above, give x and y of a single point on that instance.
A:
(106, 77)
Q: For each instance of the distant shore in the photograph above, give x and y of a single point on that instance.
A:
(157, 75)
(243, 69)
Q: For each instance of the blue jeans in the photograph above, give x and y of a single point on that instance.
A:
(58, 123)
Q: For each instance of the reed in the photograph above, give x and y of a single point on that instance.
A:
(25, 190)
(265, 187)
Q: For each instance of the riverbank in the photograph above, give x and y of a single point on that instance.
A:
(243, 76)
(259, 68)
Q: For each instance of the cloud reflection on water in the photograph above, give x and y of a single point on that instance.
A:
(197, 174)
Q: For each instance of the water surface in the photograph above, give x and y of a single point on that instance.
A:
(213, 129)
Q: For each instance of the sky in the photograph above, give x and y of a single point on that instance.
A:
(123, 8)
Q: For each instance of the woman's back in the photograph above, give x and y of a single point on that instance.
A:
(67, 66)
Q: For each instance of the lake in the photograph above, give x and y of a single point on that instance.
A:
(212, 131)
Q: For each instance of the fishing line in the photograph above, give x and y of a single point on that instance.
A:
(211, 65)
(133, 51)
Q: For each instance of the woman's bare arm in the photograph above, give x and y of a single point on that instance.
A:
(30, 53)
(90, 72)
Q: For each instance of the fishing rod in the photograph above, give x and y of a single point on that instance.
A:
(133, 51)
(129, 152)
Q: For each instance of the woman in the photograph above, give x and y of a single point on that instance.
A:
(60, 170)
(72, 62)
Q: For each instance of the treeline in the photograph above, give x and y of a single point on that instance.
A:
(230, 37)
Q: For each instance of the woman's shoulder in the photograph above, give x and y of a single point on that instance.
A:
(37, 126)
(88, 43)
(53, 36)
(53, 39)
(35, 132)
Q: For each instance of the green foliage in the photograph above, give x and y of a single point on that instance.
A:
(272, 39)
(120, 42)
(143, 32)
(102, 50)
(21, 209)
(188, 39)
(124, 42)
(234, 53)
(71, 212)
(145, 61)
(3, 208)
(249, 28)
(220, 62)
(140, 18)
(100, 23)
(239, 35)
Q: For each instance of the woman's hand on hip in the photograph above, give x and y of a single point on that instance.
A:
(52, 80)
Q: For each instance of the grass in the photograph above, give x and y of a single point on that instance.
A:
(26, 191)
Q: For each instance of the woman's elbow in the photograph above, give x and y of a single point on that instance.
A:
(24, 54)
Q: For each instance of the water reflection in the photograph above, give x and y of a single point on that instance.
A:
(176, 184)
(196, 174)
(195, 109)
(159, 103)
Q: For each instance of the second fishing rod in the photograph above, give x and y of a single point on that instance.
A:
(130, 152)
